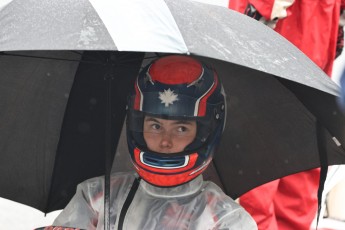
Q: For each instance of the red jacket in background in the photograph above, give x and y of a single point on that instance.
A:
(311, 25)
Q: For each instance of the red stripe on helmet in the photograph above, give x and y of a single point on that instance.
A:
(203, 100)
(167, 180)
(137, 97)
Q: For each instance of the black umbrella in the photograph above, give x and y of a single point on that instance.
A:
(282, 112)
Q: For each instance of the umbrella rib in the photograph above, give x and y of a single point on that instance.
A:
(50, 58)
(118, 63)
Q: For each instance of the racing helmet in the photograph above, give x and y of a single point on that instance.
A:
(176, 87)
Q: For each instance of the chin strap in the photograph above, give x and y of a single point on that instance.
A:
(322, 147)
(128, 202)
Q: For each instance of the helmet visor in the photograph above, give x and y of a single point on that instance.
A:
(191, 133)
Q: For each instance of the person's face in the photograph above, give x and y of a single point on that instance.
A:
(168, 136)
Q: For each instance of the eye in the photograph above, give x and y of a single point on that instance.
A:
(155, 126)
(182, 129)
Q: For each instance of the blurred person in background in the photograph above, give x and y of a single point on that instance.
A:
(312, 26)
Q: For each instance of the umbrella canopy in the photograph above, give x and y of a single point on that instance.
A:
(56, 56)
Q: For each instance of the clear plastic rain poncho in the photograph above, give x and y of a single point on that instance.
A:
(195, 205)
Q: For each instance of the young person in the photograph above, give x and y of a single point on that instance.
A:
(175, 120)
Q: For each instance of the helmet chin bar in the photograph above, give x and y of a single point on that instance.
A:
(168, 176)
(164, 164)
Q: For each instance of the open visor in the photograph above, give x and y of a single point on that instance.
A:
(175, 120)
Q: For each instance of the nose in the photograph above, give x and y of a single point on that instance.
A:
(166, 141)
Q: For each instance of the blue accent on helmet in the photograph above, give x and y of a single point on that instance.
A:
(161, 162)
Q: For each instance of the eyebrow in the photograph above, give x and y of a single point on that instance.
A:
(151, 119)
(184, 122)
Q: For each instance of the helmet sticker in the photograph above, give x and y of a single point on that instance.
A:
(168, 97)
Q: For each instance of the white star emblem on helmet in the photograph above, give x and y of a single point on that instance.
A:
(168, 97)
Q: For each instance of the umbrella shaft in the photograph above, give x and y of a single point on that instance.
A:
(108, 137)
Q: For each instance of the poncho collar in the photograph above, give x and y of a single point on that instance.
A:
(183, 190)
